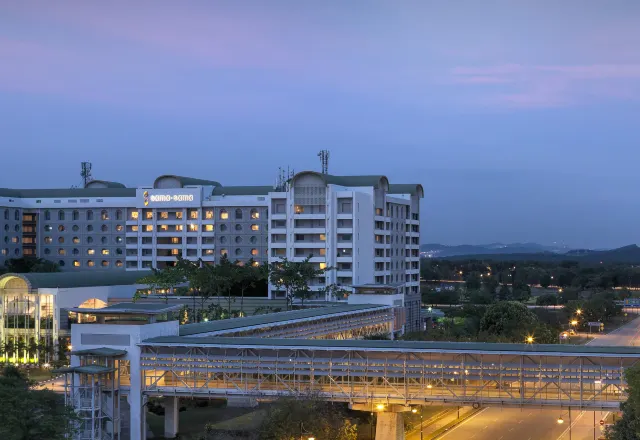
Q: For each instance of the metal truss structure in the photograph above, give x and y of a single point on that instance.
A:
(350, 325)
(364, 373)
(93, 390)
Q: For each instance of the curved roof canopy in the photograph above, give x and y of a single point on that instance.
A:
(77, 279)
(407, 188)
(186, 181)
(376, 181)
(103, 184)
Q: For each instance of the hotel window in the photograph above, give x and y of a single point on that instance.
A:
(238, 240)
(148, 228)
(118, 263)
(60, 240)
(179, 228)
(75, 251)
(104, 240)
(90, 263)
(238, 252)
(164, 215)
(163, 228)
(105, 251)
(299, 209)
(76, 263)
(238, 227)
(89, 239)
(47, 215)
(105, 263)
(15, 239)
(61, 228)
(134, 228)
(75, 228)
(61, 215)
(208, 228)
(255, 214)
(47, 251)
(255, 227)
(104, 228)
(323, 266)
(193, 214)
(118, 239)
(224, 215)
(75, 215)
(322, 252)
(6, 227)
(104, 214)
(47, 228)
(61, 251)
(223, 228)
(118, 215)
(90, 251)
(75, 240)
(16, 215)
(118, 251)
(256, 264)
(208, 214)
(323, 237)
(208, 251)
(253, 239)
(6, 214)
(89, 228)
(254, 252)
(179, 215)
(175, 240)
(224, 252)
(89, 215)
(47, 240)
(148, 215)
(175, 251)
(238, 214)
(119, 228)
(134, 215)
(193, 228)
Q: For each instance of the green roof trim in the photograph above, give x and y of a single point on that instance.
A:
(67, 192)
(187, 181)
(129, 308)
(228, 325)
(103, 352)
(415, 189)
(242, 190)
(85, 369)
(106, 183)
(79, 279)
(404, 346)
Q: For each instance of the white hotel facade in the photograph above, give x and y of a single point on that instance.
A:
(365, 228)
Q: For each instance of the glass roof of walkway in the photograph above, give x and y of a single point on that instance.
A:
(400, 346)
(280, 318)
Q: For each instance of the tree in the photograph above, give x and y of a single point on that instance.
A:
(29, 414)
(508, 318)
(548, 299)
(504, 294)
(290, 415)
(293, 278)
(490, 284)
(473, 281)
(164, 280)
(334, 291)
(628, 427)
(521, 292)
(545, 281)
(30, 264)
(247, 276)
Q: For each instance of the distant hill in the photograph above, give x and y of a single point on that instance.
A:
(435, 250)
(627, 254)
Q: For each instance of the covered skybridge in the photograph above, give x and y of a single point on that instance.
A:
(389, 372)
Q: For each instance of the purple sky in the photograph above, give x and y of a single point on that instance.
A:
(521, 119)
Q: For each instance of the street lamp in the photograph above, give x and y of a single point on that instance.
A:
(379, 406)
(578, 312)
(560, 421)
(574, 323)
(414, 410)
(529, 339)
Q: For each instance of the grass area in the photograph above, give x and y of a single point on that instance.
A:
(39, 374)
(193, 420)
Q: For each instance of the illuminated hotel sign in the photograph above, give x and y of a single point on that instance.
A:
(183, 197)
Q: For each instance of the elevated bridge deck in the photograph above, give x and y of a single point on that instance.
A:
(393, 372)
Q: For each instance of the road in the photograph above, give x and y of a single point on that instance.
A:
(496, 423)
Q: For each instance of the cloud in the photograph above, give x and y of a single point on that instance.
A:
(547, 86)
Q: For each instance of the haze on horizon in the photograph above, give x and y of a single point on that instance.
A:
(519, 118)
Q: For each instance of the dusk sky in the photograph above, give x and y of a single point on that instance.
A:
(521, 119)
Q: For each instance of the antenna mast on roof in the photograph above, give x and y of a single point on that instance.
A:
(284, 179)
(86, 173)
(324, 160)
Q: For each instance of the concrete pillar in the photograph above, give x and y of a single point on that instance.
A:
(390, 426)
(171, 416)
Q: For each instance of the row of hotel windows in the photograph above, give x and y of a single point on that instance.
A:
(193, 214)
(91, 263)
(190, 227)
(75, 251)
(75, 215)
(75, 228)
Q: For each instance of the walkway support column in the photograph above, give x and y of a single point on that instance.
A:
(390, 421)
(171, 416)
(390, 426)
